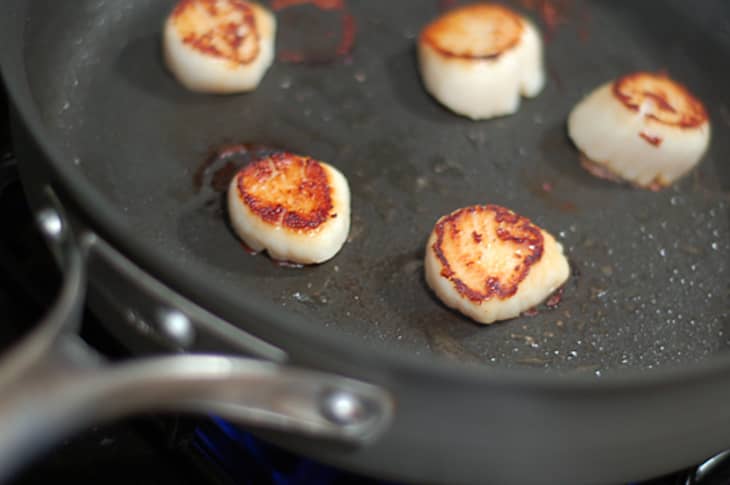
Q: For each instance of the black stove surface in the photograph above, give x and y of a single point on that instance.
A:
(151, 449)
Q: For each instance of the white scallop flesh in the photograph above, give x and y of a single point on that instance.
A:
(295, 208)
(650, 134)
(479, 60)
(219, 46)
(491, 264)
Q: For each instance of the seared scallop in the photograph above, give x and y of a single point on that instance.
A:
(478, 59)
(294, 207)
(491, 264)
(643, 128)
(219, 46)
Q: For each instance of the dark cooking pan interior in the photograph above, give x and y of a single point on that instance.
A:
(650, 279)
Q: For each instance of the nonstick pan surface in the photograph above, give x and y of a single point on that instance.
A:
(649, 283)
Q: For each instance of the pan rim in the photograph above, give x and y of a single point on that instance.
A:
(100, 215)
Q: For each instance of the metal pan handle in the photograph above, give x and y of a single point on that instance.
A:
(52, 383)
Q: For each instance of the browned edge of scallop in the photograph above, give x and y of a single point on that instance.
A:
(431, 32)
(514, 229)
(602, 171)
(655, 86)
(228, 32)
(313, 192)
(653, 140)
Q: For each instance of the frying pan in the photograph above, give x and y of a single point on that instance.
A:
(627, 378)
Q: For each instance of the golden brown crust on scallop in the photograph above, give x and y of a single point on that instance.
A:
(287, 190)
(490, 248)
(478, 31)
(661, 98)
(220, 28)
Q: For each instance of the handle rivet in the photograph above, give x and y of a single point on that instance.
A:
(177, 326)
(344, 408)
(50, 223)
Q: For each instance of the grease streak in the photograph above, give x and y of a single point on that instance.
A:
(347, 27)
(218, 168)
(555, 298)
(555, 13)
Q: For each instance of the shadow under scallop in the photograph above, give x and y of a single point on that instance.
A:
(141, 64)
(558, 150)
(405, 80)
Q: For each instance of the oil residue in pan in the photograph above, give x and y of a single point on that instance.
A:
(617, 312)
(409, 161)
(606, 301)
(314, 31)
(218, 168)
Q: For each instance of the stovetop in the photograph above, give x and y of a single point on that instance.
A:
(150, 449)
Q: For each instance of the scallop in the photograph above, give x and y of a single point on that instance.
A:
(294, 207)
(219, 46)
(643, 128)
(478, 60)
(492, 264)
